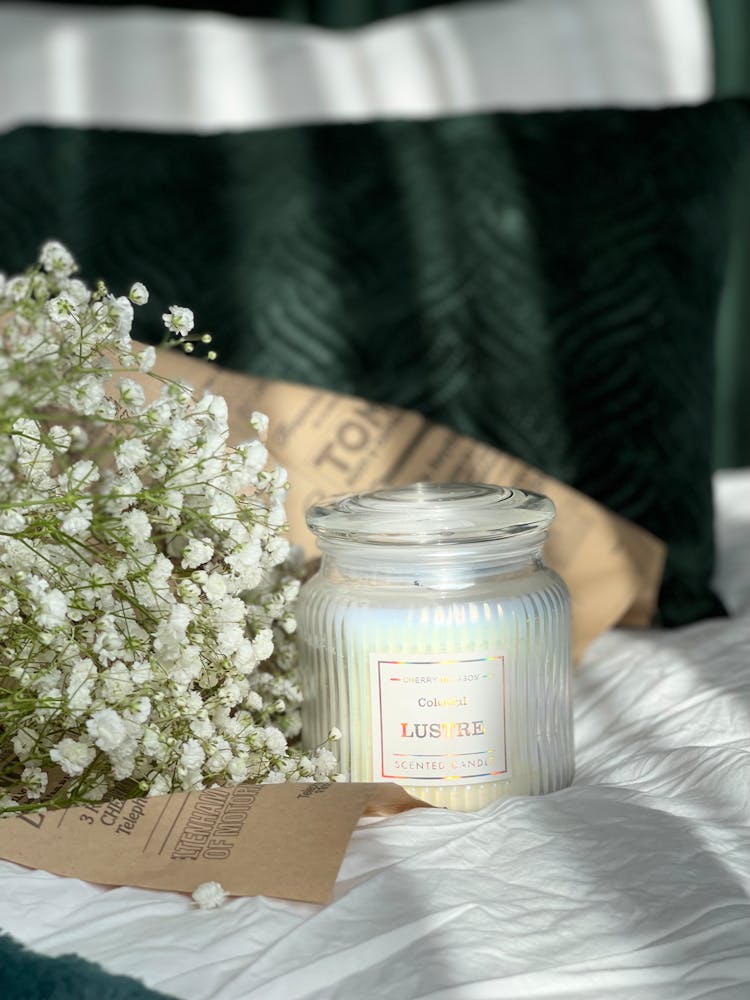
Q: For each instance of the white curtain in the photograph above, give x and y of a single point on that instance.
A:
(146, 68)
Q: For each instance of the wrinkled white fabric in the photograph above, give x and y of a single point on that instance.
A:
(633, 884)
(195, 71)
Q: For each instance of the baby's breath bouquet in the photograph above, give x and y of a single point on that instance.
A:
(146, 584)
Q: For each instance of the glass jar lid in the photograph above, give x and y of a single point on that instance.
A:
(432, 514)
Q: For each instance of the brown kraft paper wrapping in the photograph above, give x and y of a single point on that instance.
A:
(332, 444)
(255, 840)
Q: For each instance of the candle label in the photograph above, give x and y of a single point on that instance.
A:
(438, 718)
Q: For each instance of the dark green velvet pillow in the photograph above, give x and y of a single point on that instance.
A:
(545, 282)
(325, 13)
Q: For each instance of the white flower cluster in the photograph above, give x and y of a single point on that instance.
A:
(146, 584)
(209, 895)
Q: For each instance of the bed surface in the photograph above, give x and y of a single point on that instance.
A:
(633, 883)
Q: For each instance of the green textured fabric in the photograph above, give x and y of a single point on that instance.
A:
(730, 20)
(547, 282)
(25, 975)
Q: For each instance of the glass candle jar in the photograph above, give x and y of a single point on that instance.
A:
(436, 639)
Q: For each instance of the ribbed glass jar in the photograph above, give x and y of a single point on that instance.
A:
(436, 639)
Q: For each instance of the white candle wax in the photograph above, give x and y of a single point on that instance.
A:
(449, 677)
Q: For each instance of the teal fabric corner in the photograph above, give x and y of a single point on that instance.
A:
(26, 975)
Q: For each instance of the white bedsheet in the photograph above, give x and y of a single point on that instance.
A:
(633, 884)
